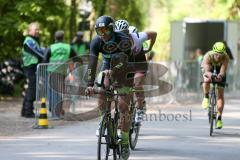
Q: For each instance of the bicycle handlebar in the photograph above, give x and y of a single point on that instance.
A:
(213, 77)
(110, 92)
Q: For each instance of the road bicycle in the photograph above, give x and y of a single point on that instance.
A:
(212, 107)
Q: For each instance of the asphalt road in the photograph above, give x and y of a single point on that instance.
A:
(169, 132)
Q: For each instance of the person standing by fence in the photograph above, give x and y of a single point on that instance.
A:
(32, 55)
(79, 45)
(58, 54)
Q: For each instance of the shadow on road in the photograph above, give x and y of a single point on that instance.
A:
(227, 134)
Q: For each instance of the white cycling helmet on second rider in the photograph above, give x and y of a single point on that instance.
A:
(123, 26)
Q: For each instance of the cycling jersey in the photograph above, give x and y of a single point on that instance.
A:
(138, 40)
(216, 65)
(212, 61)
(119, 42)
(137, 48)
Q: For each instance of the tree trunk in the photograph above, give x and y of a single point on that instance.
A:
(102, 9)
(72, 23)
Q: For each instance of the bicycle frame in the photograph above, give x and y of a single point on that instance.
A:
(109, 125)
(213, 110)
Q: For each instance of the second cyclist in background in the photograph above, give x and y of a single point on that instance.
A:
(138, 38)
(217, 59)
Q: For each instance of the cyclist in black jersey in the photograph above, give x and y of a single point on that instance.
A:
(109, 43)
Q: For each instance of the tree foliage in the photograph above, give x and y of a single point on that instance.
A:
(134, 11)
(53, 15)
(172, 10)
(16, 15)
(63, 14)
(234, 10)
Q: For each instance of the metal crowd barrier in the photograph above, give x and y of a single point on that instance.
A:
(60, 88)
(44, 90)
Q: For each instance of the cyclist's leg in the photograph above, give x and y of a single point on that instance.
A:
(220, 105)
(124, 102)
(139, 78)
(101, 97)
(220, 101)
(206, 88)
(125, 119)
(101, 103)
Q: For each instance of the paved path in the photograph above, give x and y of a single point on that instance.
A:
(184, 137)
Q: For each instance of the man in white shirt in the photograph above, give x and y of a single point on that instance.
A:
(138, 38)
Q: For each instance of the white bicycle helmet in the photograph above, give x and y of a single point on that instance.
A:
(121, 25)
(132, 29)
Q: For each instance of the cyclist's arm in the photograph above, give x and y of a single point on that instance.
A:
(141, 38)
(206, 66)
(224, 66)
(93, 60)
(152, 37)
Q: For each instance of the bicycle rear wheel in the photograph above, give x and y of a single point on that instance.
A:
(134, 131)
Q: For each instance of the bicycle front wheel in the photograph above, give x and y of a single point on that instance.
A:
(103, 140)
(211, 119)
